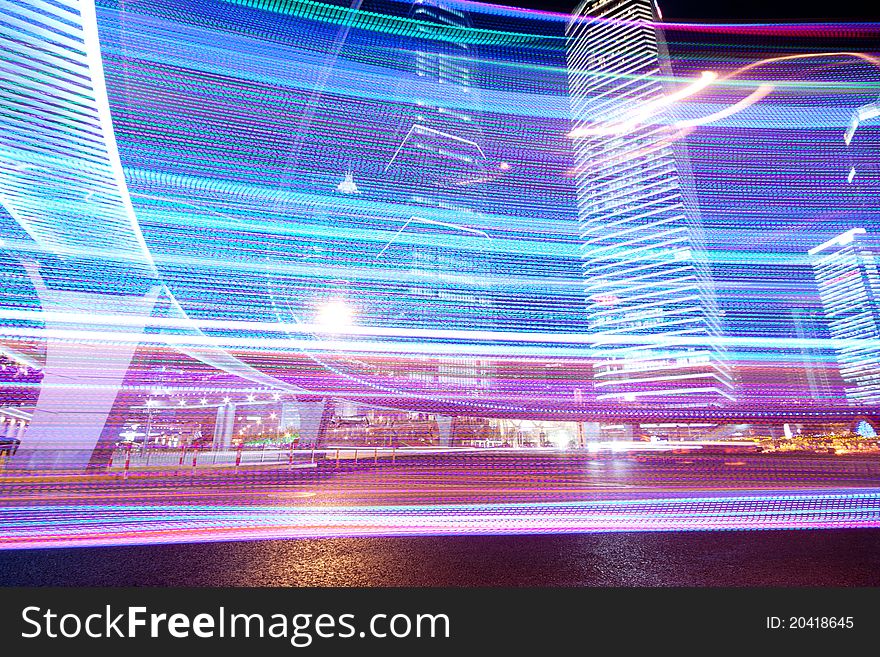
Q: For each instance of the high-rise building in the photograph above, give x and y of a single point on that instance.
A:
(437, 172)
(849, 286)
(643, 258)
(817, 379)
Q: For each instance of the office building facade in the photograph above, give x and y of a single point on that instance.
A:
(436, 171)
(849, 286)
(650, 296)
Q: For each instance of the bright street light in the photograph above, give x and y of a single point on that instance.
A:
(335, 316)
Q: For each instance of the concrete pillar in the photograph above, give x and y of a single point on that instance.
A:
(313, 417)
(228, 426)
(587, 432)
(9, 428)
(80, 380)
(219, 424)
(22, 425)
(290, 419)
(444, 424)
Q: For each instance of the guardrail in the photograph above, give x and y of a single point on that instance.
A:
(123, 459)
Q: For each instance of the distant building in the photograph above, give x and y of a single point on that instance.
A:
(643, 258)
(849, 286)
(818, 379)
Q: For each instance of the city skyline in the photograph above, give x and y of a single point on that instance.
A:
(392, 293)
(389, 215)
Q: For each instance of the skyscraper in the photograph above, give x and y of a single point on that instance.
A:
(849, 286)
(643, 260)
(437, 172)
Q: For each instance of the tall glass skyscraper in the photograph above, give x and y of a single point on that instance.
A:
(643, 260)
(438, 170)
(849, 285)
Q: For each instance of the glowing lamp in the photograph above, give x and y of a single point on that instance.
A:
(335, 316)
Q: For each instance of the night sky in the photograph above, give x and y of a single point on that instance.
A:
(737, 10)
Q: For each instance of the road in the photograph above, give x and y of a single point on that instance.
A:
(494, 493)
